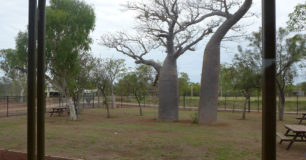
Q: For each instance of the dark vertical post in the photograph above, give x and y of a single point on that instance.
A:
(41, 102)
(98, 98)
(234, 104)
(121, 101)
(7, 106)
(31, 81)
(297, 104)
(258, 100)
(93, 100)
(83, 101)
(144, 101)
(249, 104)
(225, 103)
(184, 101)
(268, 93)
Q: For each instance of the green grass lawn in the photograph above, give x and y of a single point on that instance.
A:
(129, 136)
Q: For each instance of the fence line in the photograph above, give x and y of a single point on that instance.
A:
(16, 105)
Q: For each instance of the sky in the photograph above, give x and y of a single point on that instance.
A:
(110, 18)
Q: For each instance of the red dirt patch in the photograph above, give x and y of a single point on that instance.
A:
(11, 155)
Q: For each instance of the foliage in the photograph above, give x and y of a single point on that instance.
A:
(68, 25)
(226, 85)
(194, 117)
(99, 75)
(297, 19)
(137, 83)
(13, 59)
(183, 83)
(290, 55)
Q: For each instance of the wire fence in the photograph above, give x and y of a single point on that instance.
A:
(17, 105)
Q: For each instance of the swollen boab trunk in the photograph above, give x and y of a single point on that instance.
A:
(168, 91)
(211, 63)
(209, 84)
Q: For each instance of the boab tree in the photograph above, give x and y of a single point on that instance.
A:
(211, 60)
(175, 26)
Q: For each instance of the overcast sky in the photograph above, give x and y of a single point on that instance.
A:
(111, 18)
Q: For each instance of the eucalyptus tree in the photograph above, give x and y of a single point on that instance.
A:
(114, 69)
(171, 26)
(183, 83)
(297, 19)
(16, 57)
(137, 83)
(211, 60)
(226, 77)
(246, 74)
(290, 55)
(101, 80)
(68, 25)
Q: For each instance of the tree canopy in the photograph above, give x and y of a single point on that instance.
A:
(68, 25)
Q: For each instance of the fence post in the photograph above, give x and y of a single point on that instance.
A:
(234, 104)
(98, 99)
(297, 104)
(59, 100)
(83, 101)
(249, 105)
(184, 101)
(7, 105)
(93, 100)
(144, 101)
(258, 100)
(121, 102)
(225, 103)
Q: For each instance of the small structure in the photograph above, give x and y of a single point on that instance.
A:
(51, 91)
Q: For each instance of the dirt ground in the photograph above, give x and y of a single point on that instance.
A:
(126, 135)
(12, 155)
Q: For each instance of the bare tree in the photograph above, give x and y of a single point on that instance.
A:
(211, 60)
(175, 26)
(114, 67)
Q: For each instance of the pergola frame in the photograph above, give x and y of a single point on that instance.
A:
(37, 25)
(36, 32)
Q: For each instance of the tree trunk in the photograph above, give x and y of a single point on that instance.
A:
(210, 70)
(168, 91)
(281, 106)
(105, 102)
(21, 95)
(244, 107)
(281, 103)
(140, 108)
(209, 84)
(71, 106)
(234, 103)
(139, 105)
(113, 98)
